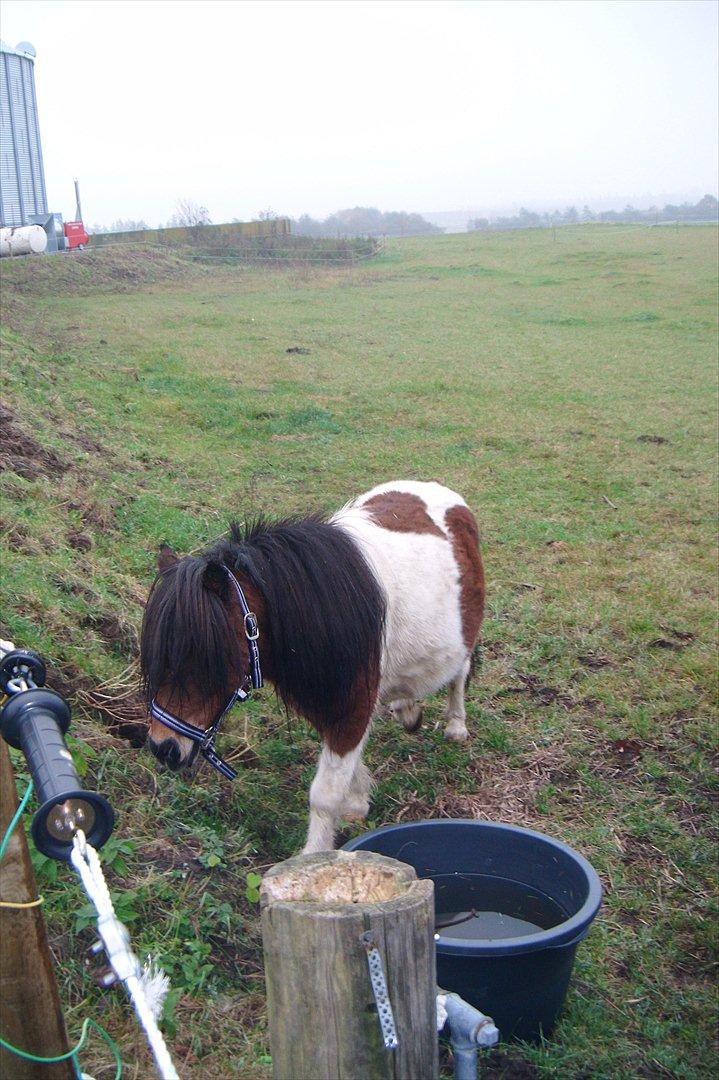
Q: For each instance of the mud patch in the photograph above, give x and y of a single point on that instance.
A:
(18, 539)
(100, 518)
(119, 635)
(84, 442)
(79, 541)
(543, 695)
(626, 751)
(22, 454)
(595, 660)
(504, 1065)
(667, 643)
(67, 680)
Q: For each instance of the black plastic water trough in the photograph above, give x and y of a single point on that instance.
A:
(521, 981)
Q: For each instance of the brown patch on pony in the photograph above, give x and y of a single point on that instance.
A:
(345, 736)
(465, 542)
(401, 511)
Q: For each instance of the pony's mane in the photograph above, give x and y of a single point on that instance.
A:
(324, 607)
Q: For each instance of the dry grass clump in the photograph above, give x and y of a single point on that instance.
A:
(506, 793)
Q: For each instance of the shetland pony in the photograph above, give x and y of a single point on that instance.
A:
(380, 604)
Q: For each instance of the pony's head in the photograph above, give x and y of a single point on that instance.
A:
(193, 653)
(321, 611)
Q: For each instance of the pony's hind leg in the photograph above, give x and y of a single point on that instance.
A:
(455, 714)
(336, 790)
(408, 711)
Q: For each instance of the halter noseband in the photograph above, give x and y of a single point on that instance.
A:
(205, 737)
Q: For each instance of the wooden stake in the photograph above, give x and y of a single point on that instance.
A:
(322, 1011)
(30, 1013)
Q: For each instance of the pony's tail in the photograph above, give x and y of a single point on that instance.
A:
(476, 660)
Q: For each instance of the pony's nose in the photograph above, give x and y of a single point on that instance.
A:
(168, 752)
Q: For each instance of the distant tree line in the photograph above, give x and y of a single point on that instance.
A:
(707, 209)
(187, 214)
(364, 221)
(121, 225)
(360, 221)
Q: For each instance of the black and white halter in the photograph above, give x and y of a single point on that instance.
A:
(205, 737)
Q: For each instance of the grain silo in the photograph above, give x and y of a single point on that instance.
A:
(22, 179)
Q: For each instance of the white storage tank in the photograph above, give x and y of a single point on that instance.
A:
(24, 240)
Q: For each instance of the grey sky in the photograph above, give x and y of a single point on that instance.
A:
(311, 106)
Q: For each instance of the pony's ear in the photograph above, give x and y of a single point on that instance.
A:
(214, 578)
(166, 558)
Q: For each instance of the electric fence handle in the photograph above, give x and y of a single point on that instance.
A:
(35, 721)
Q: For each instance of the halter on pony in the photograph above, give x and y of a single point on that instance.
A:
(205, 737)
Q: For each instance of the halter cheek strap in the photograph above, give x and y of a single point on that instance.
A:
(252, 633)
(205, 737)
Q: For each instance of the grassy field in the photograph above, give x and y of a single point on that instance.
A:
(566, 387)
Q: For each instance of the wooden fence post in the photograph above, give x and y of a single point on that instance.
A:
(323, 1018)
(30, 1011)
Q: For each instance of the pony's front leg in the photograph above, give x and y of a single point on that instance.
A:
(335, 791)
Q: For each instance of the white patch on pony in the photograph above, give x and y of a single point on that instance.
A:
(424, 646)
(340, 789)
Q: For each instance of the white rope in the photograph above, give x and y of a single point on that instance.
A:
(146, 987)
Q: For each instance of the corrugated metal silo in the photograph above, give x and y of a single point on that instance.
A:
(22, 179)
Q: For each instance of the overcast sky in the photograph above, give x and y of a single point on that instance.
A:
(414, 105)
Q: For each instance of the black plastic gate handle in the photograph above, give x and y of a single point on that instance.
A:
(35, 721)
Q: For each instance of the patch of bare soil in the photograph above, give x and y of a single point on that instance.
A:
(595, 660)
(675, 639)
(119, 635)
(21, 453)
(543, 695)
(17, 537)
(504, 1065)
(80, 541)
(100, 518)
(67, 680)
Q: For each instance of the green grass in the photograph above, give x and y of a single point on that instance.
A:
(527, 373)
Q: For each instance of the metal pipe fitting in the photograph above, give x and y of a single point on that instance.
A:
(469, 1029)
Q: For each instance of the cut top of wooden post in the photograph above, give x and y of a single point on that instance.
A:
(337, 877)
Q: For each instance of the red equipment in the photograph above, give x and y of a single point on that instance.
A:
(75, 234)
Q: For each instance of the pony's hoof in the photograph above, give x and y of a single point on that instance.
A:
(456, 731)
